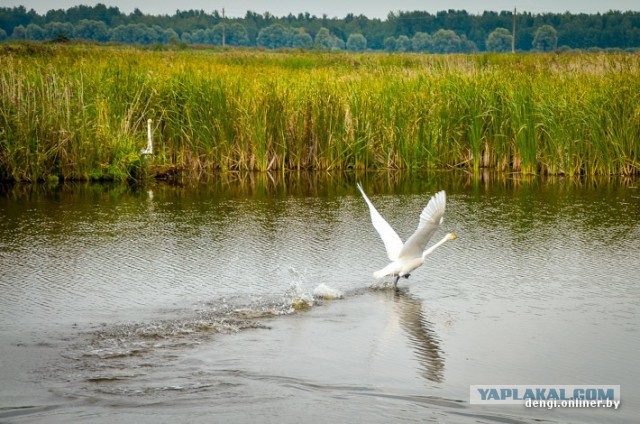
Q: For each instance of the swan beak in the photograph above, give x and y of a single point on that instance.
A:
(453, 236)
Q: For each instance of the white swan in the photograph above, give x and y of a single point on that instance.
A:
(149, 149)
(408, 256)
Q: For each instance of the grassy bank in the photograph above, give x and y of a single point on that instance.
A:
(79, 112)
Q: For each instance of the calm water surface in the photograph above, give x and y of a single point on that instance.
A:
(205, 303)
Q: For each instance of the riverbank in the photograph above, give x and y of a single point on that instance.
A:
(79, 112)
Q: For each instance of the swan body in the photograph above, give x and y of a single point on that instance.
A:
(405, 257)
(149, 149)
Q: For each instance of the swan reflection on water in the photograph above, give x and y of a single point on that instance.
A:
(422, 339)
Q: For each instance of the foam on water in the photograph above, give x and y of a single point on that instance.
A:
(327, 293)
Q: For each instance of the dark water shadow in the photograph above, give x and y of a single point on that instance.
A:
(323, 184)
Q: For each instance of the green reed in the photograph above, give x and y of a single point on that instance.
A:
(79, 112)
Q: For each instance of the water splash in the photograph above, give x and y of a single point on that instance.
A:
(297, 298)
(384, 284)
(302, 299)
(327, 293)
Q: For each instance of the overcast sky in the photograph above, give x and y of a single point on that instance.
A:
(336, 8)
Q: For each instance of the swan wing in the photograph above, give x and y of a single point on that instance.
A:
(430, 219)
(390, 238)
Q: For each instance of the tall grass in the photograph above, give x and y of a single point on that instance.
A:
(79, 112)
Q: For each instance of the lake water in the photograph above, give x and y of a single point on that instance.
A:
(204, 303)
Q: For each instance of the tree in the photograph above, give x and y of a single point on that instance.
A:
(155, 34)
(403, 44)
(499, 40)
(421, 42)
(302, 40)
(134, 33)
(198, 36)
(171, 36)
(446, 41)
(337, 43)
(186, 38)
(17, 16)
(3, 34)
(323, 40)
(211, 36)
(613, 29)
(274, 36)
(214, 34)
(466, 45)
(237, 35)
(35, 32)
(119, 34)
(58, 29)
(390, 44)
(91, 30)
(19, 33)
(545, 39)
(356, 43)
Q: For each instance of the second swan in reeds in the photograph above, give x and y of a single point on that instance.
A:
(410, 255)
(149, 149)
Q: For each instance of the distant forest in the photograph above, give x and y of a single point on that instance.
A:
(449, 31)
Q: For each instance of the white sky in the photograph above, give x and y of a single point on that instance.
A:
(336, 8)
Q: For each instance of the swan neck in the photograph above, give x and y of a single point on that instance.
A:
(435, 246)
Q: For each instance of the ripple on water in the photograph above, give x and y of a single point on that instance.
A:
(118, 352)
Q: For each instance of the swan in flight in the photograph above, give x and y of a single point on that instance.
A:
(149, 149)
(405, 257)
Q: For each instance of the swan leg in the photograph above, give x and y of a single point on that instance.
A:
(395, 283)
(406, 275)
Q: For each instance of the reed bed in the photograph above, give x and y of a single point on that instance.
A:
(79, 112)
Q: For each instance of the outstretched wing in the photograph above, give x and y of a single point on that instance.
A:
(430, 219)
(390, 238)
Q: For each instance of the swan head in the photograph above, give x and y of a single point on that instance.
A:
(451, 236)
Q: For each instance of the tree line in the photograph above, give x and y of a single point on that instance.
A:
(449, 31)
